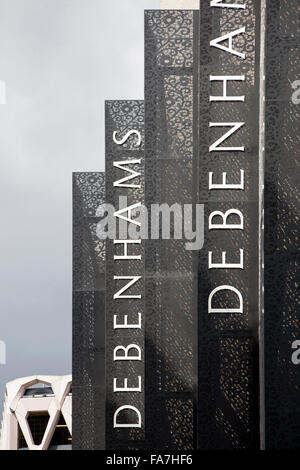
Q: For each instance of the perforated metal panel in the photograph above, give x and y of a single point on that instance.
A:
(228, 360)
(122, 117)
(171, 66)
(88, 389)
(281, 247)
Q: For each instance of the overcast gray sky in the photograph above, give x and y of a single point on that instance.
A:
(60, 59)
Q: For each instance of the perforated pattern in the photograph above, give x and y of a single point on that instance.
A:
(122, 117)
(228, 366)
(171, 113)
(282, 321)
(88, 313)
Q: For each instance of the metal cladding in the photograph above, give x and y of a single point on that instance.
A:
(171, 42)
(281, 219)
(195, 348)
(88, 313)
(228, 359)
(124, 126)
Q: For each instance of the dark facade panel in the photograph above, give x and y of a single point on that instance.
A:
(124, 123)
(281, 238)
(228, 353)
(171, 68)
(88, 387)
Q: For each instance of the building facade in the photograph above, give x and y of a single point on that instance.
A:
(205, 338)
(176, 348)
(37, 414)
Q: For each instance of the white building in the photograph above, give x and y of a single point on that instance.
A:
(37, 414)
